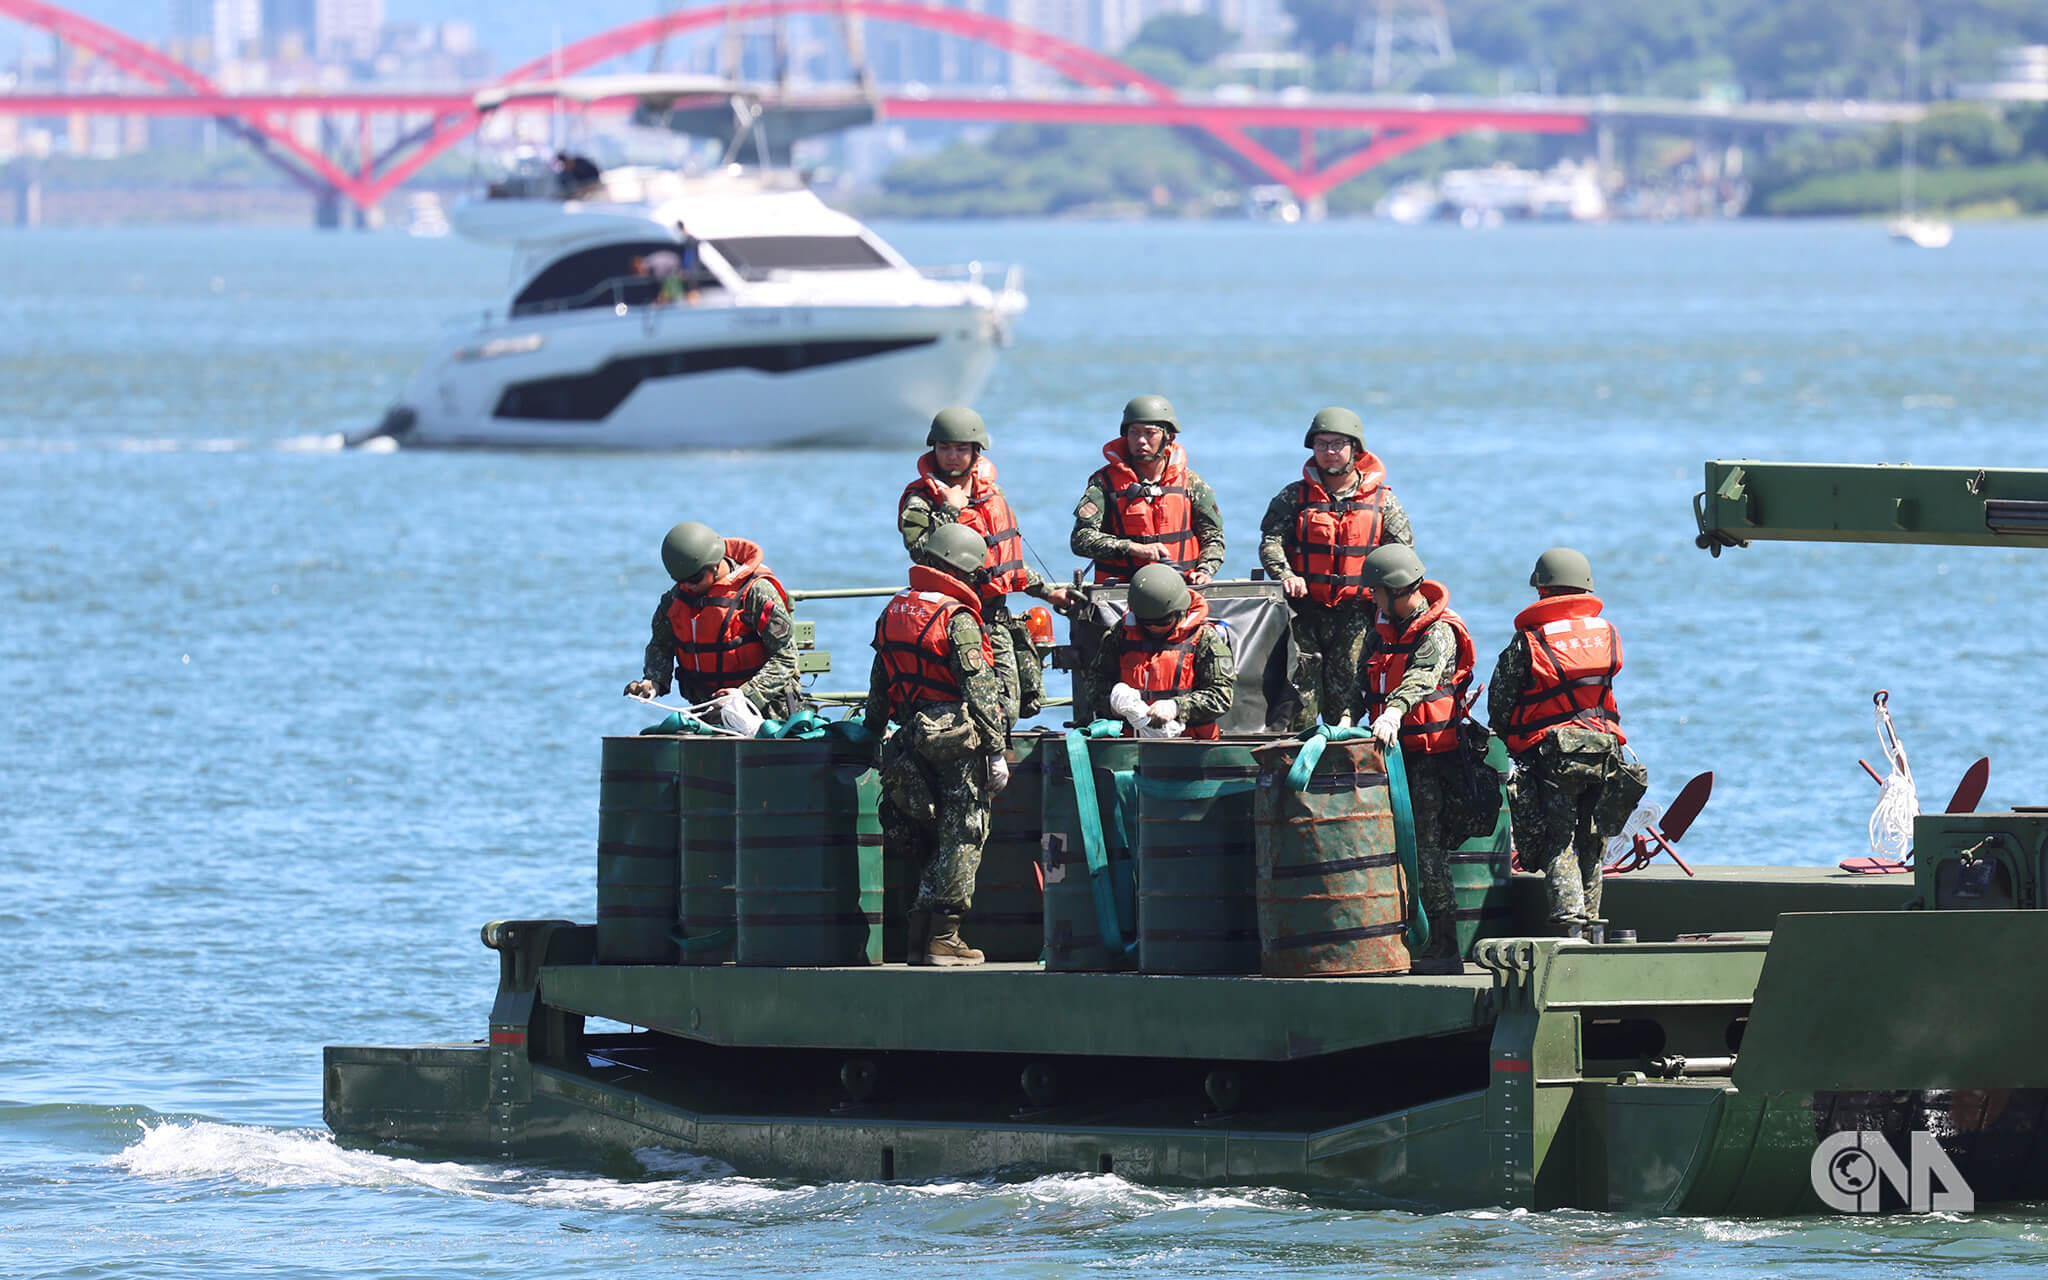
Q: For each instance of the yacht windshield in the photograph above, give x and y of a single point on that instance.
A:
(755, 256)
(636, 274)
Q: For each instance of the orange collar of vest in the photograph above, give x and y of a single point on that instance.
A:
(1436, 601)
(1118, 455)
(1371, 473)
(925, 578)
(981, 479)
(1578, 604)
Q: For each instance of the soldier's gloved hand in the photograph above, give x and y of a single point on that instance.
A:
(998, 773)
(736, 713)
(640, 689)
(1387, 728)
(1164, 710)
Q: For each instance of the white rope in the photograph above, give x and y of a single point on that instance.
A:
(1891, 822)
(694, 714)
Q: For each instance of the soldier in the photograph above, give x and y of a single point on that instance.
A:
(723, 631)
(1552, 700)
(1313, 542)
(934, 675)
(1146, 506)
(956, 483)
(1418, 665)
(1167, 670)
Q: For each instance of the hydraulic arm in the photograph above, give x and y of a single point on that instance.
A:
(1746, 501)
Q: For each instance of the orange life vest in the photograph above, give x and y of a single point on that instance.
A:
(715, 640)
(1573, 655)
(1140, 510)
(1431, 725)
(1164, 666)
(987, 513)
(914, 638)
(1333, 536)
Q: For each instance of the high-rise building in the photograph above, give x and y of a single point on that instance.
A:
(230, 28)
(347, 28)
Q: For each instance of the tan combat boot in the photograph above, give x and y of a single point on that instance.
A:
(918, 947)
(947, 947)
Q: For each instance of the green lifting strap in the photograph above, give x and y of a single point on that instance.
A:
(708, 942)
(1304, 767)
(1196, 788)
(1404, 842)
(677, 722)
(1089, 813)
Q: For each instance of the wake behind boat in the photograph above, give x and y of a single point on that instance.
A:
(654, 309)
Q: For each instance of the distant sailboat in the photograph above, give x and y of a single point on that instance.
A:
(1909, 227)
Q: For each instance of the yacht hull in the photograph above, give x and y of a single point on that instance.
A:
(709, 377)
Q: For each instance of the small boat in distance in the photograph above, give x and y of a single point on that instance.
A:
(652, 308)
(1911, 227)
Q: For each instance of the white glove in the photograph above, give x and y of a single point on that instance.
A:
(998, 773)
(736, 713)
(1343, 722)
(1387, 727)
(1164, 710)
(1126, 702)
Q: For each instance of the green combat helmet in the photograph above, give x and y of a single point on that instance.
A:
(1394, 567)
(957, 425)
(1334, 421)
(1562, 567)
(1156, 410)
(956, 547)
(1158, 591)
(689, 549)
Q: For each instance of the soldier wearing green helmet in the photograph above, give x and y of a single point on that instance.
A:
(1146, 505)
(1166, 671)
(723, 631)
(934, 674)
(956, 483)
(1418, 665)
(1552, 700)
(1313, 541)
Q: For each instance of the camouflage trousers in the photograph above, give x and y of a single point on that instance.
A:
(1432, 849)
(1553, 801)
(1328, 641)
(1017, 661)
(936, 813)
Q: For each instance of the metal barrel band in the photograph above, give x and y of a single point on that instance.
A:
(1337, 866)
(1335, 936)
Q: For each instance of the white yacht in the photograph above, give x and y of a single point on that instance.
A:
(652, 309)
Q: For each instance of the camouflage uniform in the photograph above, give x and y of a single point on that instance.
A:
(1207, 702)
(1431, 664)
(1555, 795)
(1329, 641)
(772, 690)
(937, 811)
(1018, 664)
(1090, 542)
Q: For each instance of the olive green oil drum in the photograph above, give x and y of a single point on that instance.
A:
(636, 850)
(1196, 856)
(1331, 894)
(1008, 919)
(808, 867)
(1073, 936)
(1480, 871)
(707, 904)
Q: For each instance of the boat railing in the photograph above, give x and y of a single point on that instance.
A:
(986, 274)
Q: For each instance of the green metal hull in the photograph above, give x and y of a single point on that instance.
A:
(1520, 1083)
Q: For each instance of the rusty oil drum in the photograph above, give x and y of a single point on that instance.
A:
(808, 867)
(1331, 892)
(636, 850)
(1073, 938)
(1197, 912)
(706, 906)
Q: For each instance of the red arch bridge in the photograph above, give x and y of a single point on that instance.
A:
(1109, 92)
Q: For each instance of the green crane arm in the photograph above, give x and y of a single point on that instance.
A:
(1747, 501)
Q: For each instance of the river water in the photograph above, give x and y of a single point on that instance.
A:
(289, 723)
